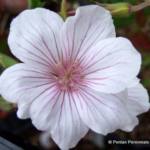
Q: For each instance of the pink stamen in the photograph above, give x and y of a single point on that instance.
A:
(68, 75)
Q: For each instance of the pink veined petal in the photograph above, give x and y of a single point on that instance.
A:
(111, 65)
(138, 99)
(34, 37)
(22, 83)
(58, 114)
(105, 113)
(90, 25)
(41, 109)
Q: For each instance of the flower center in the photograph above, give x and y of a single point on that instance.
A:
(68, 76)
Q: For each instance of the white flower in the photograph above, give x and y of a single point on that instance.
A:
(75, 76)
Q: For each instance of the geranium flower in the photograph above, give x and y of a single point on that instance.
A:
(75, 76)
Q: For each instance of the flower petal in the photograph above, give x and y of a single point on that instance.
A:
(22, 83)
(58, 114)
(105, 113)
(23, 110)
(90, 24)
(138, 99)
(34, 36)
(111, 65)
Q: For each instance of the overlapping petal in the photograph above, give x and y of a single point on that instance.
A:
(90, 25)
(138, 99)
(34, 37)
(60, 117)
(23, 84)
(111, 64)
(38, 98)
(105, 113)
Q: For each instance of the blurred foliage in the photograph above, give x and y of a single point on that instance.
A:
(146, 70)
(6, 61)
(4, 105)
(126, 20)
(35, 3)
(63, 10)
(146, 61)
(115, 1)
(3, 45)
(146, 82)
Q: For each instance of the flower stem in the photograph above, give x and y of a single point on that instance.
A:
(140, 6)
(63, 10)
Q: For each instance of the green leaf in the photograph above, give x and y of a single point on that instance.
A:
(146, 83)
(6, 61)
(146, 61)
(4, 105)
(3, 45)
(121, 22)
(35, 3)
